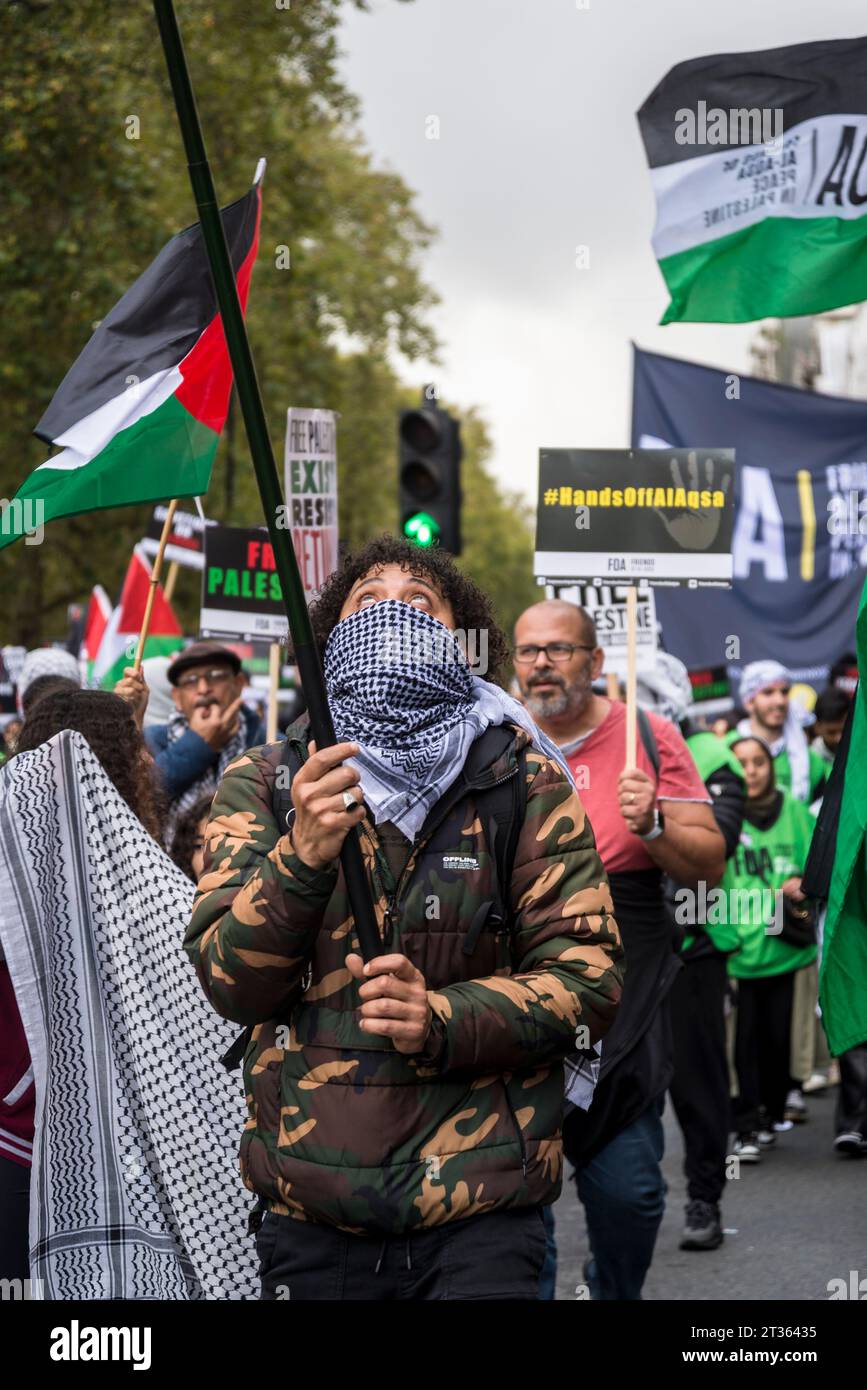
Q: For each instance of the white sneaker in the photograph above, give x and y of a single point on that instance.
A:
(796, 1108)
(766, 1138)
(817, 1082)
(782, 1126)
(746, 1148)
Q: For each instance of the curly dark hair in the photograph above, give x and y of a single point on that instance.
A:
(108, 724)
(472, 609)
(184, 840)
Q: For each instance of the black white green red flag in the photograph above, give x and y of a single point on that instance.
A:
(759, 166)
(120, 637)
(139, 414)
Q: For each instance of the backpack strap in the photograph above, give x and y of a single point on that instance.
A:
(281, 797)
(648, 739)
(501, 810)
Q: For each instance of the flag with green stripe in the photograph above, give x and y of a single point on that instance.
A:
(843, 977)
(759, 166)
(138, 416)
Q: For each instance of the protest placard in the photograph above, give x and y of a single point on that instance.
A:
(241, 594)
(185, 545)
(311, 493)
(606, 606)
(660, 515)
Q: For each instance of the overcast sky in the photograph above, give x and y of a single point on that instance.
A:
(539, 153)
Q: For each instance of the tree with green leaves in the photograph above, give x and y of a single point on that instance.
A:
(96, 181)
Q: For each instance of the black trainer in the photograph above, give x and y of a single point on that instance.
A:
(703, 1229)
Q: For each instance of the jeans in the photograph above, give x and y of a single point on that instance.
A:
(623, 1193)
(548, 1277)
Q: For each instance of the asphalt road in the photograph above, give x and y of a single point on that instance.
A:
(793, 1222)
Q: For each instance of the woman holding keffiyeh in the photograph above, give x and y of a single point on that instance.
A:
(408, 1111)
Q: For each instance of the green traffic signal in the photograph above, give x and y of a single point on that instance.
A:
(421, 529)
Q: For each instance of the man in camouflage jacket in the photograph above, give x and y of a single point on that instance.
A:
(383, 1137)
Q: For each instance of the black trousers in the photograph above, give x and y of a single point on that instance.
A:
(700, 1086)
(496, 1255)
(14, 1219)
(762, 1050)
(851, 1111)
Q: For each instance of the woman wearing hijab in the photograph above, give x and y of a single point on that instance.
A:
(776, 935)
(405, 1115)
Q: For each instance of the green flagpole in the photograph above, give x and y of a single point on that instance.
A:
(253, 411)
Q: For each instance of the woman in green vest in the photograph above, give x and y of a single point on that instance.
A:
(762, 899)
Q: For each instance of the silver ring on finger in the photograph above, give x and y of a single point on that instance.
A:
(349, 801)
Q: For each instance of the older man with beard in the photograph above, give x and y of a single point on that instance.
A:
(648, 820)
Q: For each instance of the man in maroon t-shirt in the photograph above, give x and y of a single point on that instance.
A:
(646, 823)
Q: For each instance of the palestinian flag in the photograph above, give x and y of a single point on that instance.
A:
(139, 414)
(843, 975)
(118, 647)
(98, 616)
(759, 166)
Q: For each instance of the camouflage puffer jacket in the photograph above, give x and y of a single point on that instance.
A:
(343, 1128)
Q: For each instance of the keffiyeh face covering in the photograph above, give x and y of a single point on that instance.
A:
(399, 685)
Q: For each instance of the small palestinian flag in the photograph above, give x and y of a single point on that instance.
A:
(98, 617)
(139, 414)
(759, 166)
(120, 639)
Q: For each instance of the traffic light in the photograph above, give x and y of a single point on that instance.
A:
(429, 461)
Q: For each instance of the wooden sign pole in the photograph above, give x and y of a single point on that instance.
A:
(155, 579)
(631, 663)
(273, 684)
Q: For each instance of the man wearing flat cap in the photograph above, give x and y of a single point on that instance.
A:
(209, 729)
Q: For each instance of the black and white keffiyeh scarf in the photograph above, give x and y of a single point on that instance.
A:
(400, 686)
(135, 1191)
(207, 784)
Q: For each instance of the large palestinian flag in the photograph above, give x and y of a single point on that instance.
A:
(749, 226)
(139, 413)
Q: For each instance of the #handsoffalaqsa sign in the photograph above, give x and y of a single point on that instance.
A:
(659, 515)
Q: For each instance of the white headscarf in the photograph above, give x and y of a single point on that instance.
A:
(758, 675)
(47, 661)
(666, 688)
(161, 706)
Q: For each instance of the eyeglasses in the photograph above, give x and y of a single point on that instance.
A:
(555, 651)
(217, 676)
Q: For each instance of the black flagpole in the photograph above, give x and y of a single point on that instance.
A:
(252, 409)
